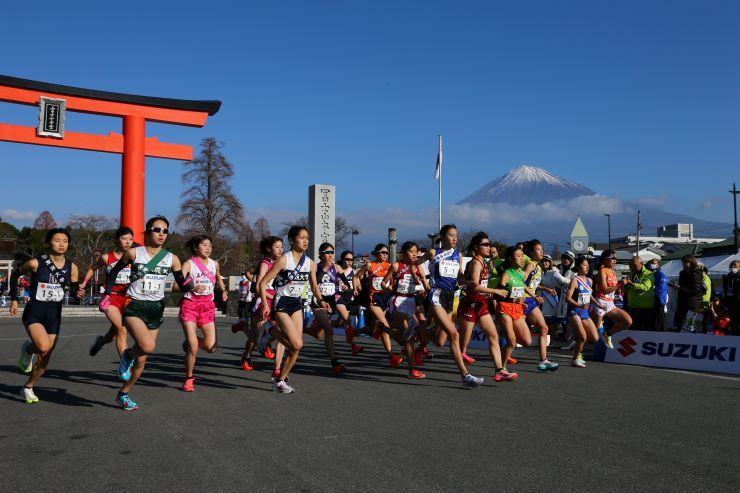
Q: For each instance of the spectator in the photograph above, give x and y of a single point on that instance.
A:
(731, 294)
(3, 287)
(707, 296)
(661, 294)
(552, 278)
(640, 295)
(717, 318)
(690, 291)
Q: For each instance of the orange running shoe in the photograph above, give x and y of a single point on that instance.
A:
(416, 374)
(512, 360)
(189, 385)
(356, 349)
(247, 365)
(395, 360)
(269, 354)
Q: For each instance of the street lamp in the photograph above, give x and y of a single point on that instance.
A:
(609, 225)
(354, 233)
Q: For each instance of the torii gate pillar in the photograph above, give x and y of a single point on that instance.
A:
(133, 173)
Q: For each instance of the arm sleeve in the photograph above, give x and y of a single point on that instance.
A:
(13, 286)
(182, 283)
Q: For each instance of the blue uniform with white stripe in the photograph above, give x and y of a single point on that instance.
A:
(444, 268)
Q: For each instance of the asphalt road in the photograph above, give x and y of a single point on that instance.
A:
(605, 428)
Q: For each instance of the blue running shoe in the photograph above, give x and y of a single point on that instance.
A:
(125, 402)
(124, 367)
(547, 365)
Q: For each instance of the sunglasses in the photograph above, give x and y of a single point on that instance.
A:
(327, 252)
(348, 259)
(160, 230)
(484, 244)
(384, 252)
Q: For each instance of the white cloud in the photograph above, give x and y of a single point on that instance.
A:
(14, 215)
(652, 201)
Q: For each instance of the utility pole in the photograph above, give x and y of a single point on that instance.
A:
(639, 227)
(609, 226)
(735, 231)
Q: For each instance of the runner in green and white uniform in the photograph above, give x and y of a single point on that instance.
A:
(151, 265)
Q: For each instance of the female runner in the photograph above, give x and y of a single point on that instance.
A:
(579, 297)
(445, 265)
(143, 314)
(327, 276)
(348, 288)
(124, 239)
(474, 306)
(42, 316)
(532, 312)
(291, 272)
(197, 309)
(408, 280)
(606, 285)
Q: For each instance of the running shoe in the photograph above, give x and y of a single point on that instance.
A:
(416, 374)
(511, 360)
(189, 385)
(269, 354)
(505, 376)
(96, 346)
(395, 360)
(276, 373)
(471, 381)
(124, 367)
(338, 368)
(547, 365)
(609, 342)
(282, 387)
(571, 344)
(25, 360)
(28, 396)
(125, 402)
(467, 359)
(578, 363)
(349, 334)
(238, 326)
(427, 353)
(247, 364)
(356, 349)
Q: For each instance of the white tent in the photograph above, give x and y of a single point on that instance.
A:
(717, 266)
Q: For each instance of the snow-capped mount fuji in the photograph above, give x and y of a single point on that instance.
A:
(527, 184)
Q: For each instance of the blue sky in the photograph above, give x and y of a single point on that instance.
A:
(634, 99)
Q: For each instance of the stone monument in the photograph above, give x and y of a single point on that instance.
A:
(321, 217)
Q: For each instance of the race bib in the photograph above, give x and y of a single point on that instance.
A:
(205, 282)
(584, 299)
(449, 268)
(534, 284)
(124, 276)
(49, 292)
(153, 283)
(327, 288)
(517, 292)
(293, 289)
(407, 285)
(378, 283)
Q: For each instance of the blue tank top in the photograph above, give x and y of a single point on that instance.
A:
(47, 286)
(583, 291)
(445, 266)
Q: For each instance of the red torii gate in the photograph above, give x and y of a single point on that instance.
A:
(132, 144)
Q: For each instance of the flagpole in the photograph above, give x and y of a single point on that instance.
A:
(439, 197)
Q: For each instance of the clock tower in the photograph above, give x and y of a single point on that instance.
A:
(579, 238)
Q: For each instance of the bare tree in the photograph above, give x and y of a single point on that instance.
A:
(261, 228)
(209, 205)
(45, 221)
(90, 233)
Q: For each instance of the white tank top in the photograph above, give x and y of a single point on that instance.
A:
(149, 287)
(199, 279)
(290, 283)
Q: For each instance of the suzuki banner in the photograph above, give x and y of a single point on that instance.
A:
(676, 350)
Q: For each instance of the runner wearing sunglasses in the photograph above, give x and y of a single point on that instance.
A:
(606, 285)
(294, 273)
(124, 239)
(348, 288)
(50, 274)
(373, 274)
(197, 310)
(327, 276)
(142, 316)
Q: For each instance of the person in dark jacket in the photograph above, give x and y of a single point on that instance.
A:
(660, 280)
(731, 295)
(690, 290)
